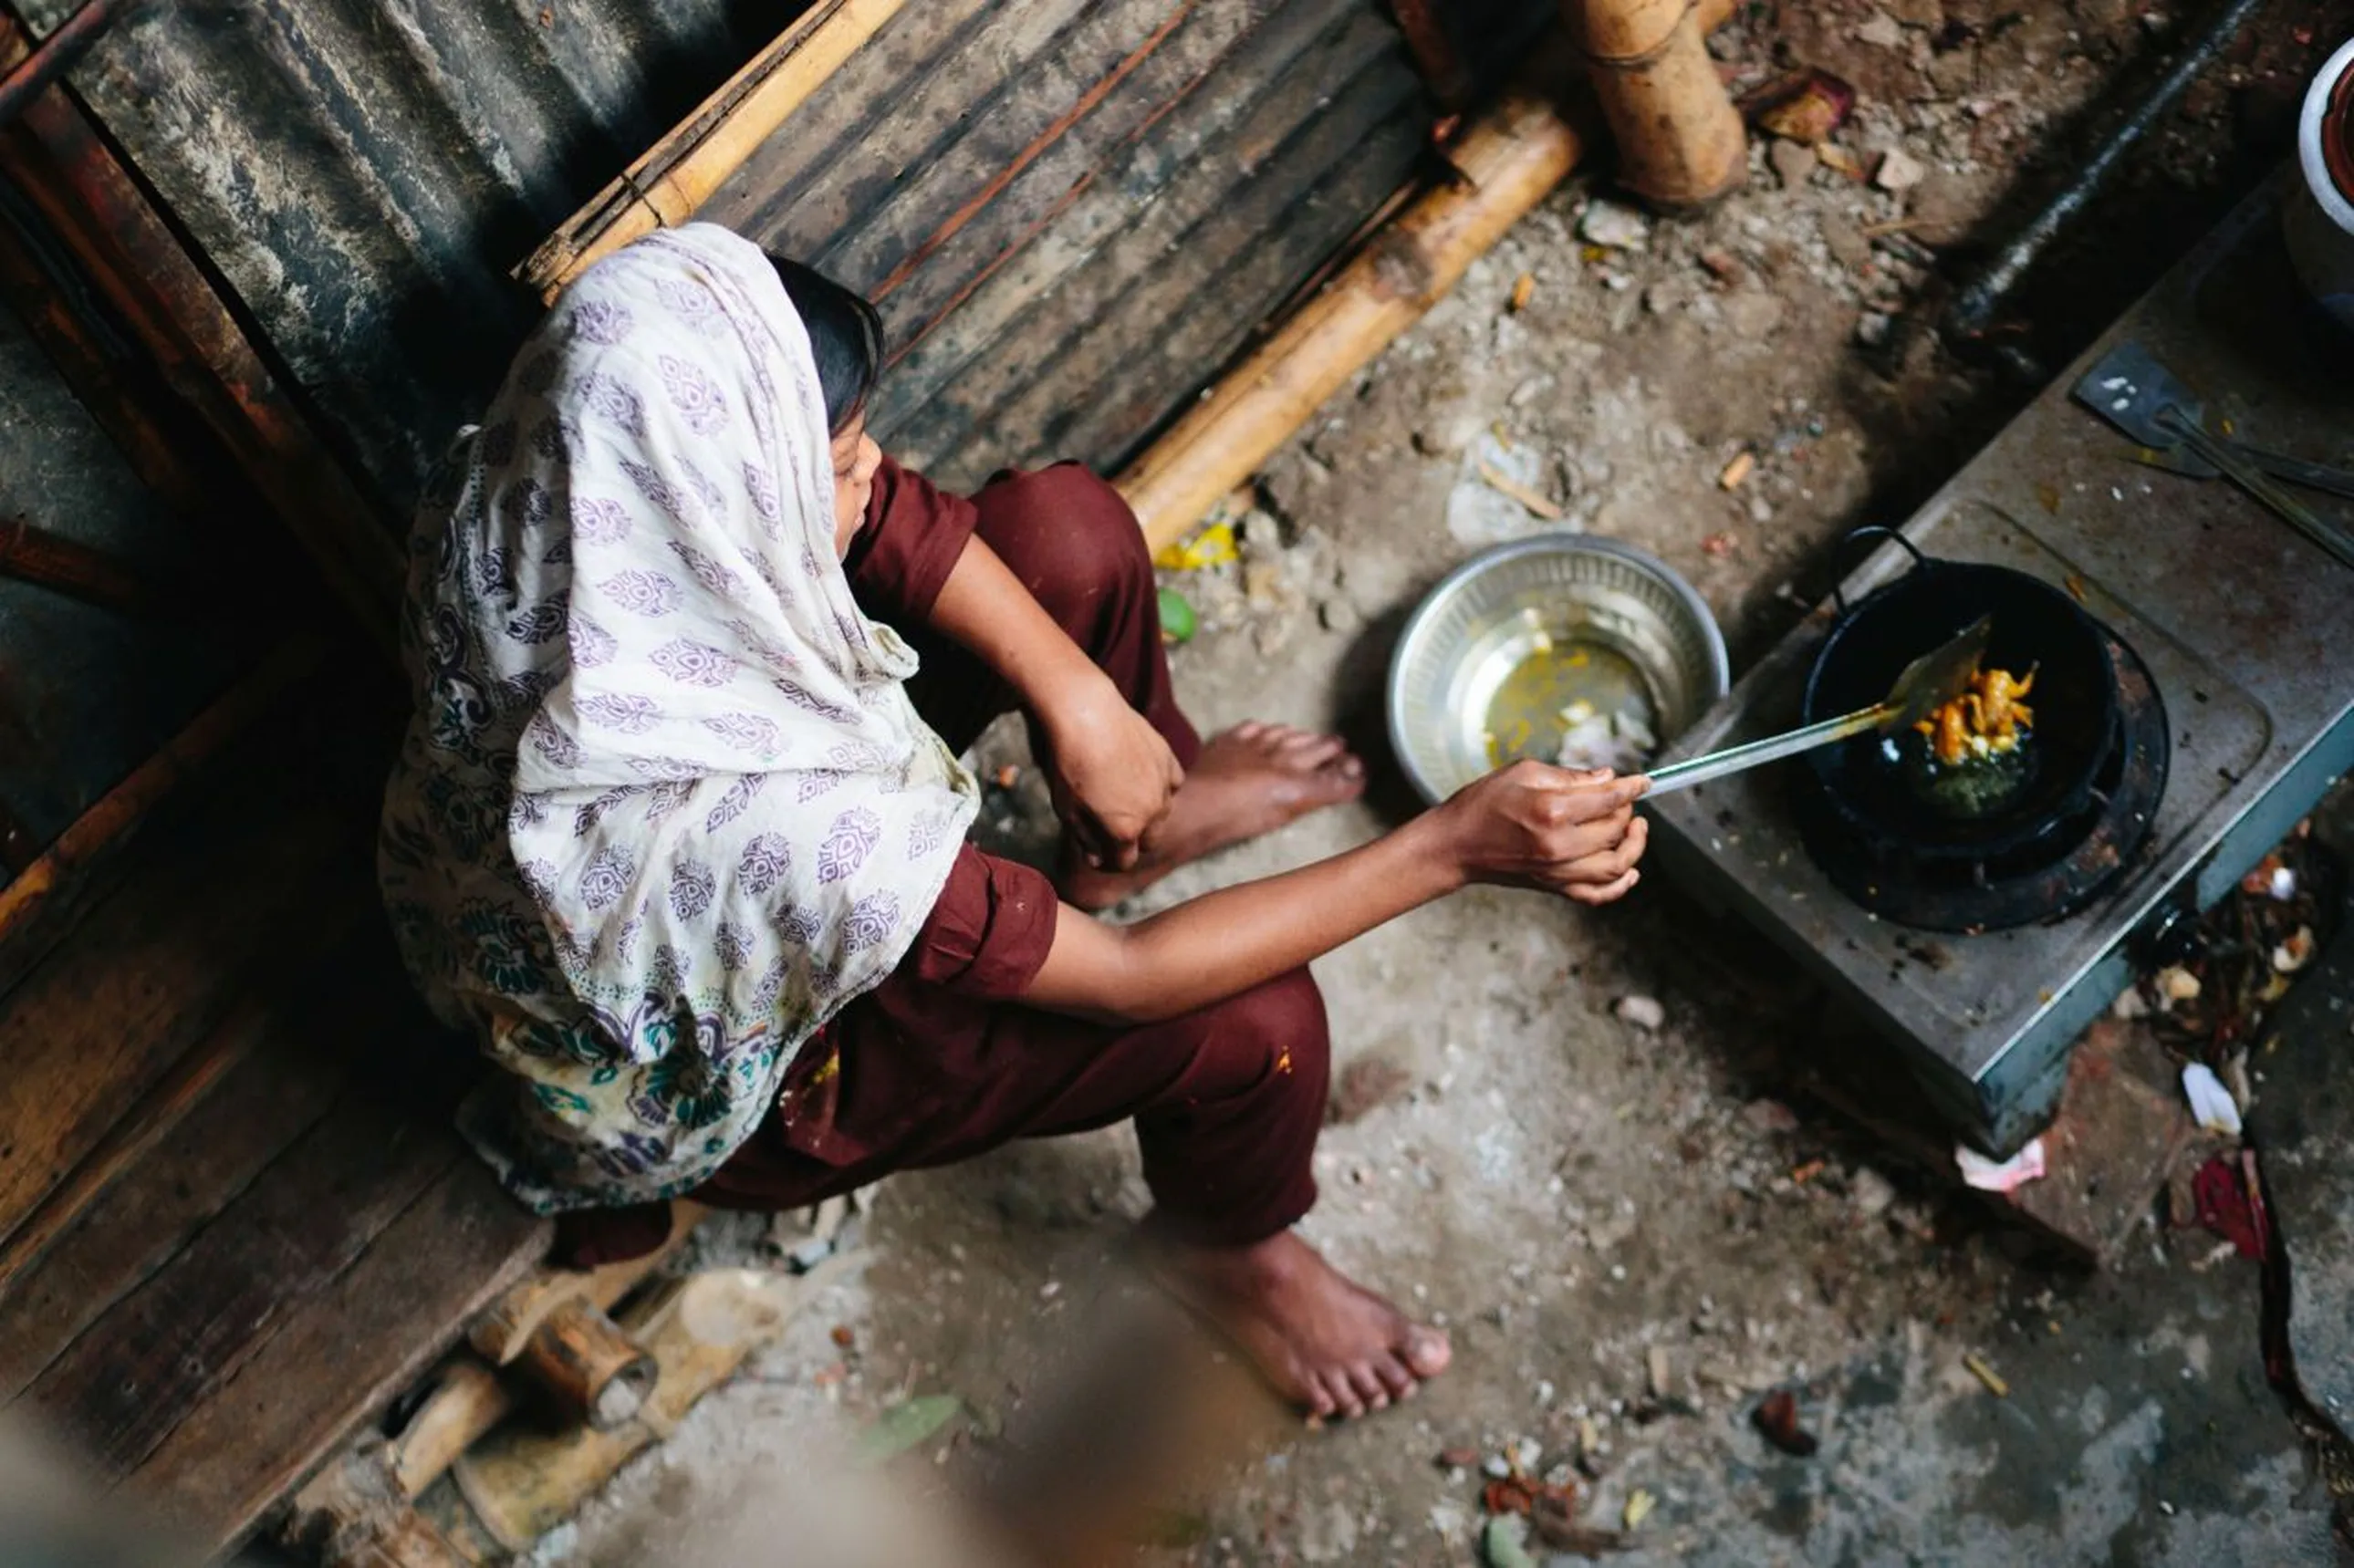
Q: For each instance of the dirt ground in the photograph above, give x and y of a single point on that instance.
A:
(1631, 1234)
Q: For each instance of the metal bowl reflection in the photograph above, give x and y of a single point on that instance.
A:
(1594, 603)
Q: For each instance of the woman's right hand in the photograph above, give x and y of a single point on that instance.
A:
(1530, 825)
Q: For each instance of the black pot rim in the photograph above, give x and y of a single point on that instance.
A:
(1973, 840)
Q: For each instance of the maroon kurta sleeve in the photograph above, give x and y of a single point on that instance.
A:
(987, 935)
(913, 536)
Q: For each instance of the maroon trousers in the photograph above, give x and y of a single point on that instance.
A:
(1227, 1101)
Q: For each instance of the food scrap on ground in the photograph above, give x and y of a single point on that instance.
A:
(1777, 1416)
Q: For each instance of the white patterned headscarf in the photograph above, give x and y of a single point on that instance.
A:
(665, 806)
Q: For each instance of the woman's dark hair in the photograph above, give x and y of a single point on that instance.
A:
(845, 334)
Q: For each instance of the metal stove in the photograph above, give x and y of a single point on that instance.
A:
(2231, 633)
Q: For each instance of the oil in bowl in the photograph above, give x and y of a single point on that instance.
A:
(1562, 695)
(1525, 633)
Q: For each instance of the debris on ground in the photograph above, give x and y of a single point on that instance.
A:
(1613, 225)
(1978, 1367)
(1363, 1087)
(1178, 621)
(907, 1424)
(1899, 171)
(1502, 1543)
(1805, 107)
(2211, 1105)
(1212, 546)
(1777, 1417)
(2001, 1175)
(1642, 1013)
(2230, 1202)
(2245, 955)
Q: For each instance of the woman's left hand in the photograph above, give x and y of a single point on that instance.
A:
(1111, 774)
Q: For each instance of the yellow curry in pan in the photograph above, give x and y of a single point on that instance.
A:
(1986, 720)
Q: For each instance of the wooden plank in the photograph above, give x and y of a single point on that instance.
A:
(38, 904)
(193, 1173)
(161, 1352)
(1282, 127)
(1116, 196)
(1106, 422)
(928, 117)
(155, 968)
(1126, 303)
(670, 184)
(352, 1347)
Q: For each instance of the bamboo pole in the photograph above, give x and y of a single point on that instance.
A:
(587, 1366)
(521, 1482)
(1510, 159)
(353, 1514)
(1680, 143)
(470, 1398)
(671, 182)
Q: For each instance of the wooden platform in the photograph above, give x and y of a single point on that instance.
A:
(233, 1222)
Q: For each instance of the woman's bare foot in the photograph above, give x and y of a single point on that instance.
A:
(1250, 780)
(1324, 1341)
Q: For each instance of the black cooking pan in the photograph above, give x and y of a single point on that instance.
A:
(2036, 626)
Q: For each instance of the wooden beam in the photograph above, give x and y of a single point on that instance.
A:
(165, 300)
(1510, 159)
(121, 397)
(670, 184)
(77, 570)
(66, 875)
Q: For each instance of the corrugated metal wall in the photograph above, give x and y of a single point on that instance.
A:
(363, 172)
(1072, 211)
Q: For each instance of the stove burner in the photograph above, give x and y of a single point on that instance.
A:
(2053, 876)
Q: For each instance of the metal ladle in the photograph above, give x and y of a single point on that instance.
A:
(1926, 684)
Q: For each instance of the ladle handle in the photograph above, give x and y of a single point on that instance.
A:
(1757, 753)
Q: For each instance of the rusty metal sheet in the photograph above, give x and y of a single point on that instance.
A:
(362, 172)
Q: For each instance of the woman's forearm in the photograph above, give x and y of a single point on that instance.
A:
(984, 607)
(1222, 944)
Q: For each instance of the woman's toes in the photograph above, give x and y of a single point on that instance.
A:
(1395, 1379)
(1427, 1351)
(1369, 1388)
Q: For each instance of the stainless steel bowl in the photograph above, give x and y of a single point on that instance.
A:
(1494, 612)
